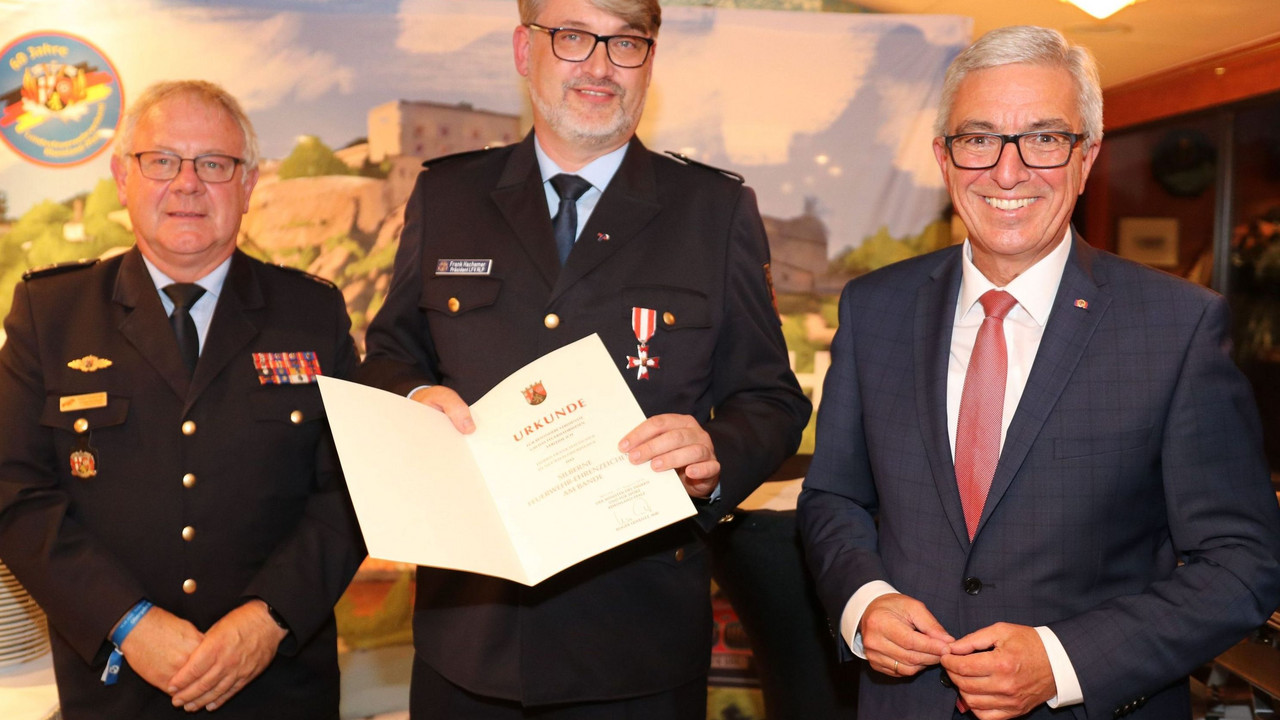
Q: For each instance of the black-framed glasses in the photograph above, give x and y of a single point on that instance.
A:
(211, 168)
(574, 45)
(1037, 149)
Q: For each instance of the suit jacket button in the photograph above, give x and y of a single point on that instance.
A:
(189, 480)
(188, 533)
(972, 585)
(296, 417)
(454, 304)
(668, 318)
(188, 586)
(552, 321)
(189, 428)
(679, 554)
(80, 425)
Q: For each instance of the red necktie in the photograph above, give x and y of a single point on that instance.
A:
(981, 408)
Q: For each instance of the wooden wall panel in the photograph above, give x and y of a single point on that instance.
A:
(1228, 77)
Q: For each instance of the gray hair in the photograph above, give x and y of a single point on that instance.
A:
(644, 15)
(1034, 46)
(200, 89)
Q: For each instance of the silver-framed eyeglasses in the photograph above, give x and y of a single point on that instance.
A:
(211, 168)
(574, 45)
(1038, 149)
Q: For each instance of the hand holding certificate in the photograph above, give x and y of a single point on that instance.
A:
(538, 487)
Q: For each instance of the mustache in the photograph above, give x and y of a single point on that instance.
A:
(605, 83)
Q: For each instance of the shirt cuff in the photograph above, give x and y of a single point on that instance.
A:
(420, 387)
(851, 618)
(1064, 674)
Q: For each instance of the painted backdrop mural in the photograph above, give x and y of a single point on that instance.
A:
(828, 115)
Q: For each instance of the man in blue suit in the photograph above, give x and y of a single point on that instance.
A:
(1039, 488)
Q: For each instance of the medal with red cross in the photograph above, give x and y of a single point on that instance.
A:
(644, 322)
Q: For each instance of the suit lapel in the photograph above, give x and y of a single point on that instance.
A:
(144, 323)
(1065, 339)
(523, 204)
(628, 204)
(234, 324)
(935, 316)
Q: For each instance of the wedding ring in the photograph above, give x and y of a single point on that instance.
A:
(895, 666)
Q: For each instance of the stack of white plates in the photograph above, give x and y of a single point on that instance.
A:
(23, 633)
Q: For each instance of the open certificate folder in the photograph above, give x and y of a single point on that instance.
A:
(538, 487)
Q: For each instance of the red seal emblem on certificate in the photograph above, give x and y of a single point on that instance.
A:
(535, 393)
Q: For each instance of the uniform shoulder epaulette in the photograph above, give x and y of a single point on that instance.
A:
(323, 281)
(455, 156)
(690, 161)
(58, 268)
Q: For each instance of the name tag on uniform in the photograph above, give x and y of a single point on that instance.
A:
(88, 401)
(463, 267)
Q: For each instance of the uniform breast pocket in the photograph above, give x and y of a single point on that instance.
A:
(82, 424)
(298, 405)
(457, 296)
(455, 309)
(674, 308)
(107, 411)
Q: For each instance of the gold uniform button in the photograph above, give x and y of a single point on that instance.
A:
(679, 554)
(552, 321)
(80, 425)
(189, 428)
(189, 480)
(189, 586)
(668, 318)
(296, 417)
(454, 304)
(188, 533)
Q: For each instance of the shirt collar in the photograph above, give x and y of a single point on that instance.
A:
(1034, 289)
(212, 282)
(598, 172)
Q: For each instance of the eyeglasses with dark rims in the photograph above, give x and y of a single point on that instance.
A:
(574, 45)
(1038, 149)
(211, 168)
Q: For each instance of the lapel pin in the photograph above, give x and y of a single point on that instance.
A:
(1082, 303)
(602, 237)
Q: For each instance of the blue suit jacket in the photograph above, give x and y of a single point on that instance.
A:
(1130, 511)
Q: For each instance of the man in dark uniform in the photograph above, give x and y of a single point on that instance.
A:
(670, 267)
(169, 492)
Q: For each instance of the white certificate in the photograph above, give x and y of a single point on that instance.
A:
(538, 487)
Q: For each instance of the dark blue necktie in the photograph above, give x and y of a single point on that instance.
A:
(184, 295)
(565, 223)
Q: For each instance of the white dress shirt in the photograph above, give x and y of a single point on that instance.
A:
(1024, 326)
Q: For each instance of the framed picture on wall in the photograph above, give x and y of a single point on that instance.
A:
(1149, 240)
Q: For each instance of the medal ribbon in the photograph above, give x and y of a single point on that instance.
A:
(644, 321)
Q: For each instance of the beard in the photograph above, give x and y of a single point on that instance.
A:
(612, 127)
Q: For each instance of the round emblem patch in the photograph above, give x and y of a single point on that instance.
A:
(60, 98)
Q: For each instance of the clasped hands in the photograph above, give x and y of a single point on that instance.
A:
(667, 442)
(203, 670)
(1000, 671)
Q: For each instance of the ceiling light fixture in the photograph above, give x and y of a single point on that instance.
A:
(1101, 9)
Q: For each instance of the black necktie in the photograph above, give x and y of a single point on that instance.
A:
(184, 295)
(565, 223)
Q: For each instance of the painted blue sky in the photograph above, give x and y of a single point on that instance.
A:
(834, 107)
